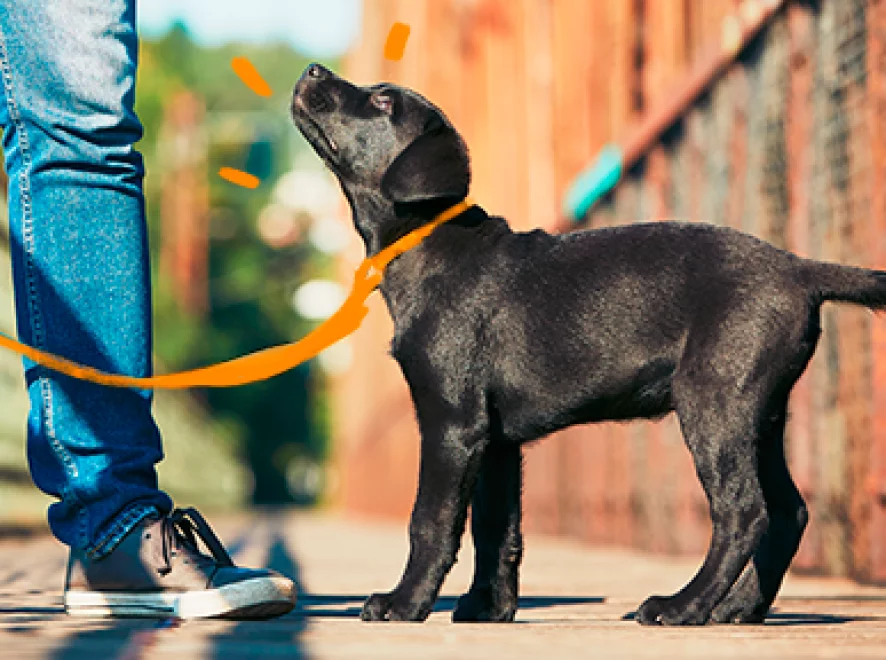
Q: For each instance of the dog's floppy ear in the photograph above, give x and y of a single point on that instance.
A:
(435, 165)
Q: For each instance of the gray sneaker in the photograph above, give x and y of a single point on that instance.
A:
(158, 571)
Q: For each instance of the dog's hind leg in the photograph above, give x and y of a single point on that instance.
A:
(498, 541)
(752, 596)
(723, 441)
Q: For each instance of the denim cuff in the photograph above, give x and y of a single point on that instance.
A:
(124, 523)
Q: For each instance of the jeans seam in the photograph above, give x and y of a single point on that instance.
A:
(121, 527)
(45, 385)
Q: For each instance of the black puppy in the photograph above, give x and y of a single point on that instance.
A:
(504, 337)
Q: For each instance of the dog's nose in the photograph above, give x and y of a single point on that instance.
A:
(317, 72)
(313, 74)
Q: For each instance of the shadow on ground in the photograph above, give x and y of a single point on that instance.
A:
(280, 636)
(349, 606)
(777, 617)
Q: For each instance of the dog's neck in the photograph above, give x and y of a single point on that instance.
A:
(380, 222)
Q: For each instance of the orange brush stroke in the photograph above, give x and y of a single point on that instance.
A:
(250, 76)
(396, 42)
(271, 361)
(239, 177)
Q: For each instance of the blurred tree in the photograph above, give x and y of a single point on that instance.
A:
(249, 283)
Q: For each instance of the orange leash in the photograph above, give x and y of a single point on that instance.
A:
(268, 362)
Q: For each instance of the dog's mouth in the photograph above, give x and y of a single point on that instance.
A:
(313, 132)
(328, 142)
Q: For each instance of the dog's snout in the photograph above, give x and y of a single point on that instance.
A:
(313, 74)
(317, 72)
(311, 92)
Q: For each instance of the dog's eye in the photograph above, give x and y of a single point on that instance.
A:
(383, 102)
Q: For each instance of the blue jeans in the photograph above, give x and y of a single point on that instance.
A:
(80, 259)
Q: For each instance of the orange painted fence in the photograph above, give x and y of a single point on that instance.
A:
(789, 144)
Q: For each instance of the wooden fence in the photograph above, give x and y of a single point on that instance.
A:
(788, 144)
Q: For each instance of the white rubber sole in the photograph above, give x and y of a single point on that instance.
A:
(261, 597)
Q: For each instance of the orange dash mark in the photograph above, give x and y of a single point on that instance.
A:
(396, 43)
(250, 76)
(239, 177)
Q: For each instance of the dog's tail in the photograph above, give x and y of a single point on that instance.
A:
(830, 281)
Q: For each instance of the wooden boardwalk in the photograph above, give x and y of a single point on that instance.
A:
(573, 604)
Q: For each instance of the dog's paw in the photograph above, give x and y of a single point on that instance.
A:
(389, 607)
(376, 608)
(739, 610)
(480, 605)
(662, 611)
(744, 603)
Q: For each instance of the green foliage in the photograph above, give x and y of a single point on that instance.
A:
(251, 284)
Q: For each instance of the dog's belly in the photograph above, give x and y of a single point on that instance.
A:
(543, 403)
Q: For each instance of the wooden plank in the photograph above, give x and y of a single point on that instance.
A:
(506, 107)
(572, 38)
(831, 433)
(855, 385)
(665, 48)
(539, 167)
(875, 488)
(444, 47)
(801, 429)
(614, 70)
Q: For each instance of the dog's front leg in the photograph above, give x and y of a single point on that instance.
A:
(498, 542)
(450, 459)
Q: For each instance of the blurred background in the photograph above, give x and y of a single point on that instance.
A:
(765, 115)
(234, 270)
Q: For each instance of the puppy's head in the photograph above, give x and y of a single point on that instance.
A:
(381, 138)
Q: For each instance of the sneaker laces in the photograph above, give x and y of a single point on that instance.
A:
(183, 527)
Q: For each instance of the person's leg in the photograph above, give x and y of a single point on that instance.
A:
(80, 260)
(80, 269)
